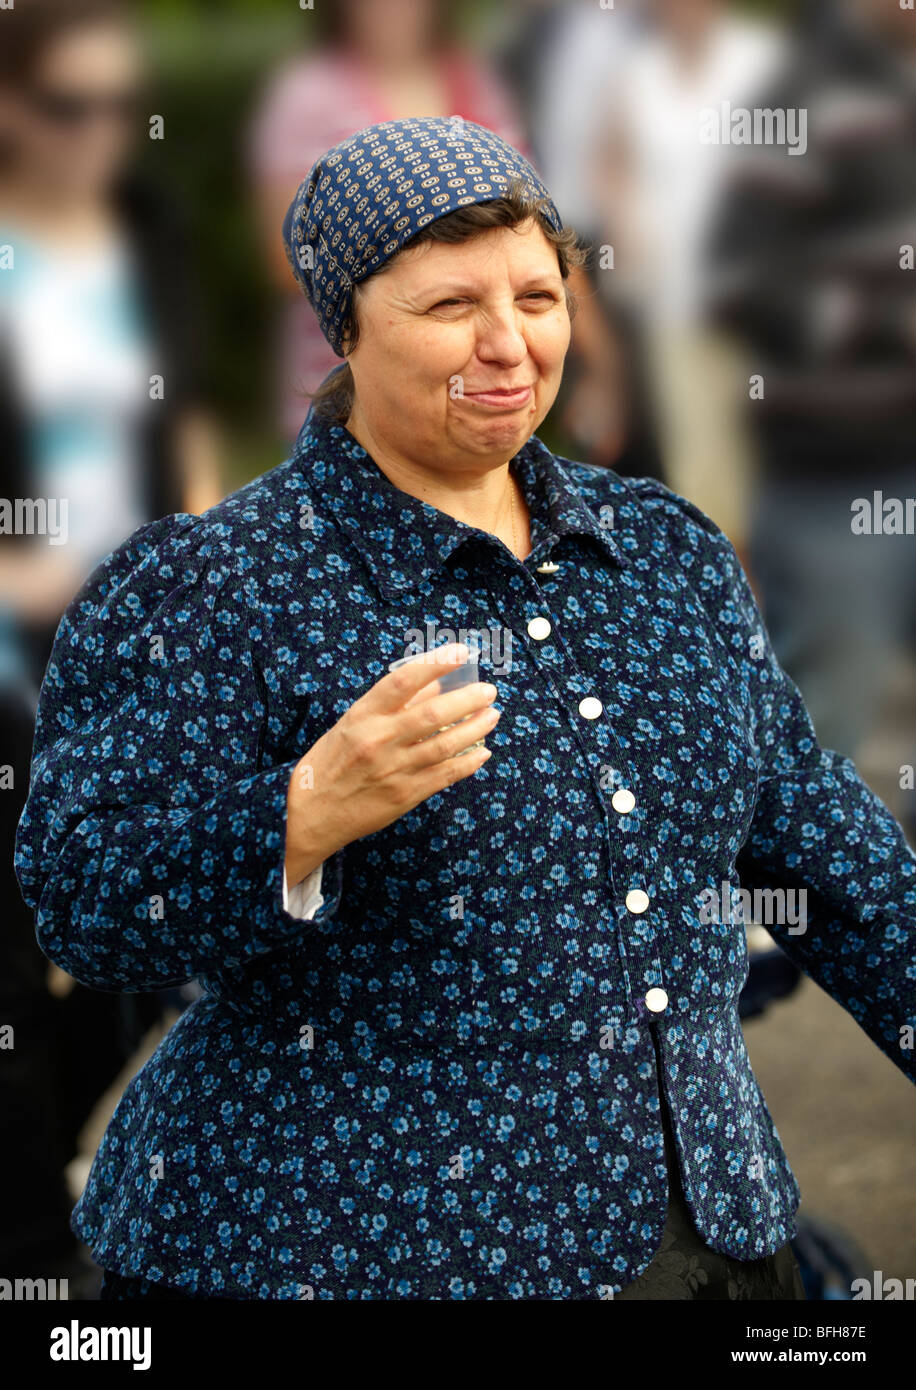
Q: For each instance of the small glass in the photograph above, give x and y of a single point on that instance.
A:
(466, 674)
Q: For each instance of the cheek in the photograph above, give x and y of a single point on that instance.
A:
(549, 342)
(432, 355)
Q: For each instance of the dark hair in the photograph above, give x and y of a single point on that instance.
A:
(333, 399)
(32, 26)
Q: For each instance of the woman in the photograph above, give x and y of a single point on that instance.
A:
(487, 1046)
(98, 302)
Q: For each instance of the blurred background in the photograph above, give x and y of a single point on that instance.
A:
(746, 333)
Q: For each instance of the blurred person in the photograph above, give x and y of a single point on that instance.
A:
(570, 37)
(813, 259)
(101, 297)
(96, 296)
(470, 1026)
(656, 186)
(522, 36)
(367, 61)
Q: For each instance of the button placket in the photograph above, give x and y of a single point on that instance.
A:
(641, 957)
(638, 930)
(641, 961)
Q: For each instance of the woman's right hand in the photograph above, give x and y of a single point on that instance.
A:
(383, 757)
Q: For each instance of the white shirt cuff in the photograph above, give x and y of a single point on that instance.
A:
(304, 898)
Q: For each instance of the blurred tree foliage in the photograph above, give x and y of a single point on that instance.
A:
(209, 61)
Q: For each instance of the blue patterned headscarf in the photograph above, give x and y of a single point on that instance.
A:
(363, 199)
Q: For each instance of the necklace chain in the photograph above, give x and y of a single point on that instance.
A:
(512, 515)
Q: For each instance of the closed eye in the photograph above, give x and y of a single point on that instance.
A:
(530, 294)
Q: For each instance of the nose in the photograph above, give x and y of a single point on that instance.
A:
(499, 336)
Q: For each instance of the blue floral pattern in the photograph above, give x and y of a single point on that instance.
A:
(443, 1086)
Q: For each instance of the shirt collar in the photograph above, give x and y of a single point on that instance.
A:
(403, 540)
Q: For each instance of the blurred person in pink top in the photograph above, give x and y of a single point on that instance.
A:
(369, 61)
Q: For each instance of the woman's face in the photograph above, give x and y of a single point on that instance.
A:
(397, 29)
(444, 325)
(72, 125)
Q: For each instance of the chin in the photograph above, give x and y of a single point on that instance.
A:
(504, 439)
(501, 435)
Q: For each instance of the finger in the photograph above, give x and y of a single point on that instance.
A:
(392, 692)
(450, 743)
(446, 774)
(428, 717)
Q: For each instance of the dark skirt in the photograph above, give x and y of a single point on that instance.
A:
(684, 1267)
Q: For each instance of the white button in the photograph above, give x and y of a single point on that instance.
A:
(539, 628)
(656, 1001)
(590, 708)
(548, 567)
(623, 801)
(636, 900)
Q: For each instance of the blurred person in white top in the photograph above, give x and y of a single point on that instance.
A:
(656, 183)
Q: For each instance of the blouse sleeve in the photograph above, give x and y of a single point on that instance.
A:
(152, 842)
(816, 825)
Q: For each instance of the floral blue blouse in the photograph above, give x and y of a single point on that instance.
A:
(444, 1085)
